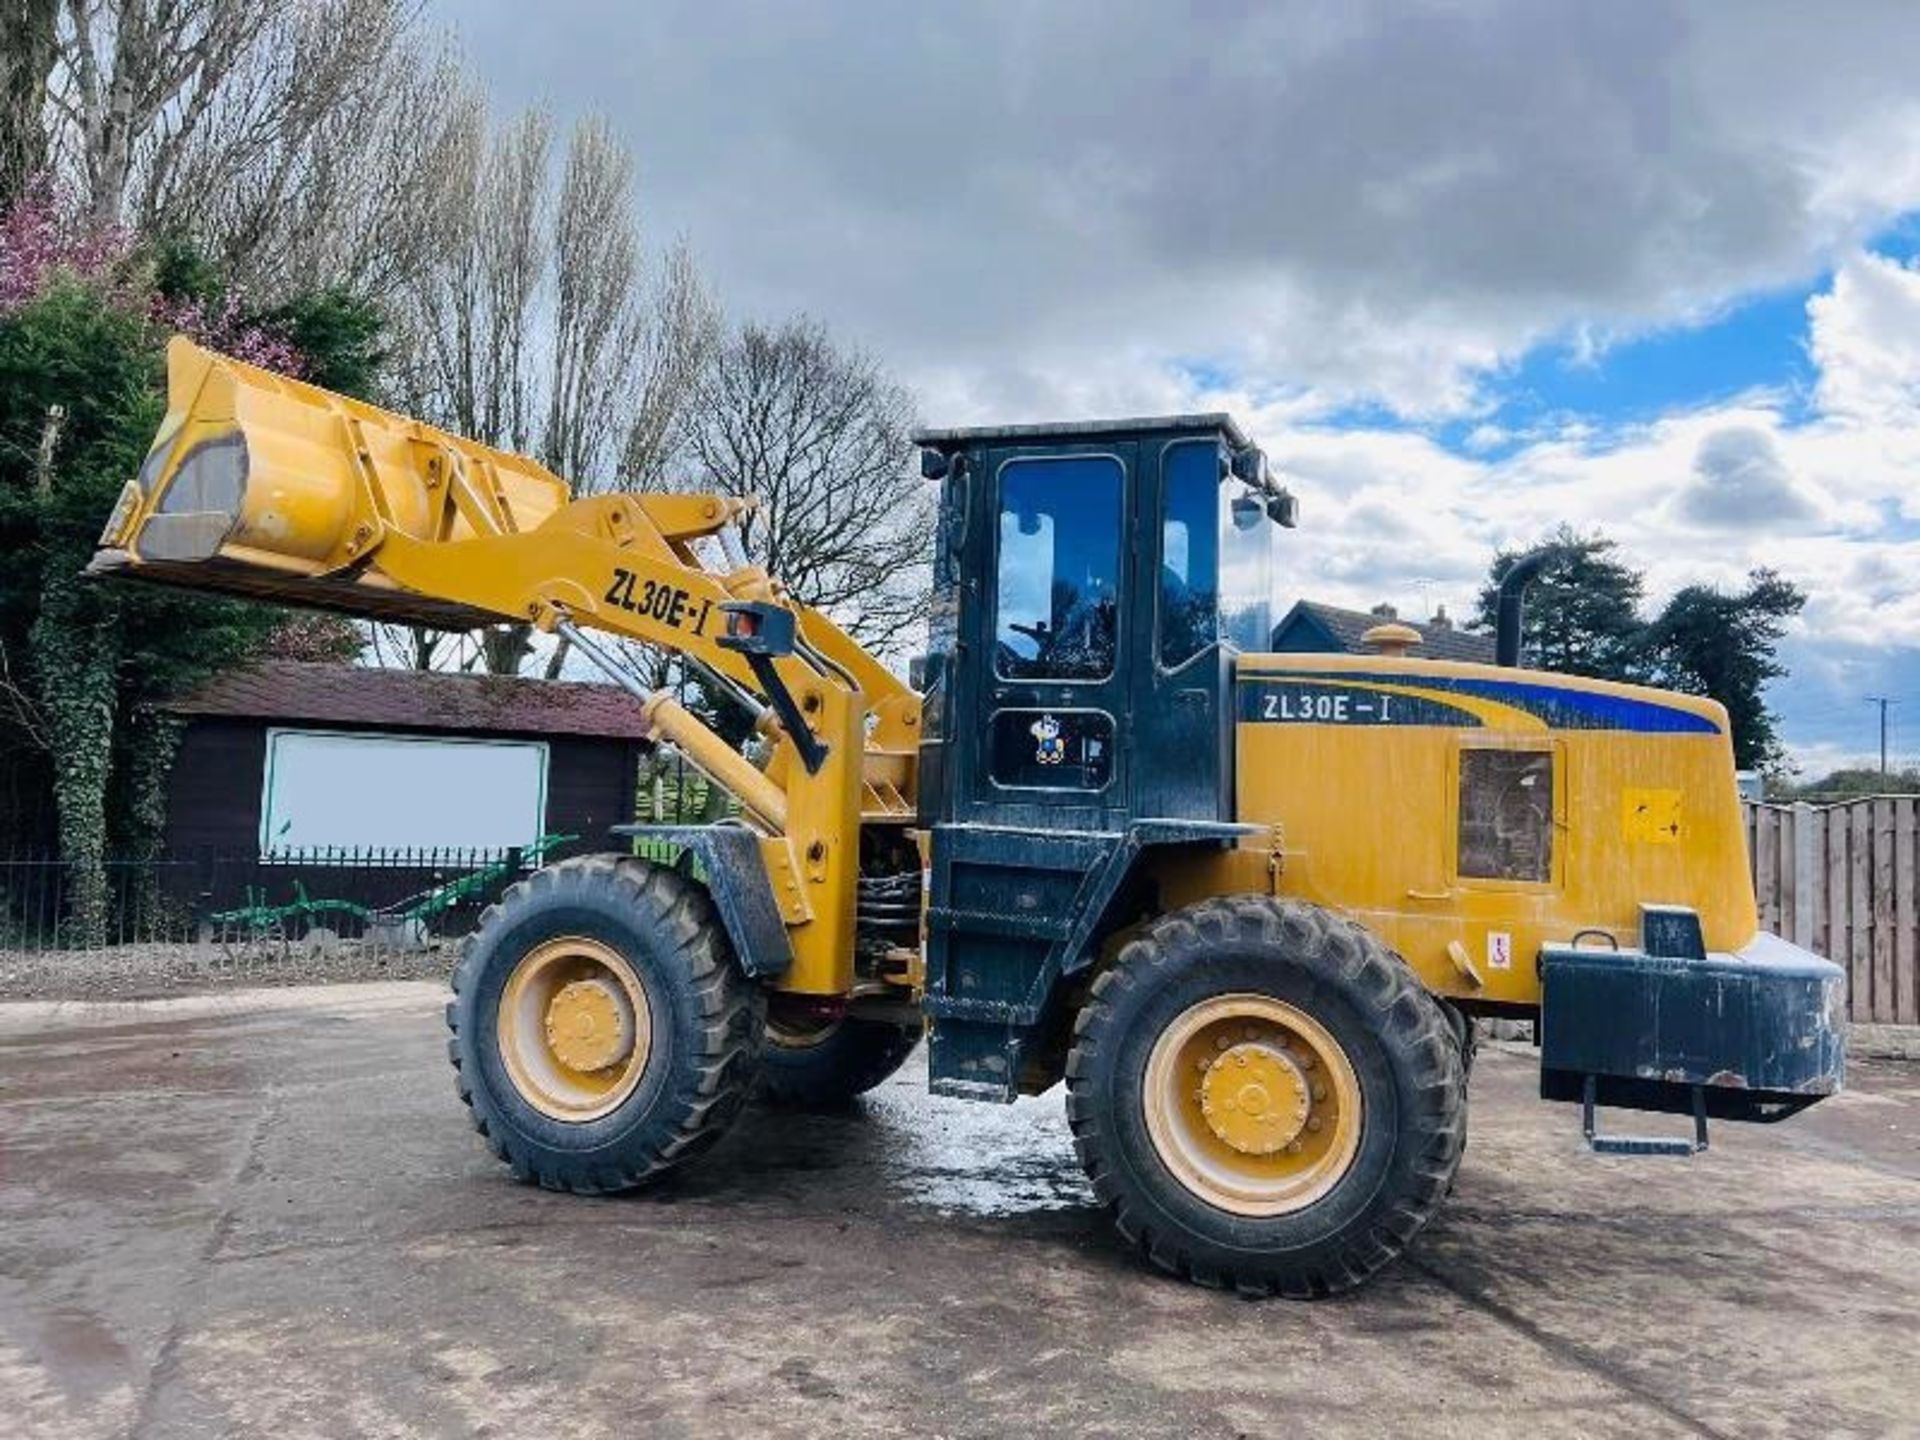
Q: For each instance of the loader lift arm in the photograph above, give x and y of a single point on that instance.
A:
(265, 487)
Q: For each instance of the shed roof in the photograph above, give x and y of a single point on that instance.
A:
(300, 692)
(1345, 627)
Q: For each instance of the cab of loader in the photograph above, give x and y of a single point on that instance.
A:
(1093, 584)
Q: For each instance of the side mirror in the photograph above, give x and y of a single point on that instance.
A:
(1284, 509)
(1247, 511)
(917, 674)
(1250, 466)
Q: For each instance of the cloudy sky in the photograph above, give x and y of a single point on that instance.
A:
(1467, 269)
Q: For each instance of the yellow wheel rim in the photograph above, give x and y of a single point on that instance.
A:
(575, 1028)
(1252, 1105)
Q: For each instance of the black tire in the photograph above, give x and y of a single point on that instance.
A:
(831, 1065)
(1395, 1037)
(1465, 1037)
(707, 1023)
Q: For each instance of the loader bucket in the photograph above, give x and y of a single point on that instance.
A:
(261, 486)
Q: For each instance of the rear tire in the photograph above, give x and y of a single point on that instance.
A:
(829, 1064)
(1265, 1097)
(602, 1032)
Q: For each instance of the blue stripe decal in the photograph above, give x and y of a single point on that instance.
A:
(1561, 709)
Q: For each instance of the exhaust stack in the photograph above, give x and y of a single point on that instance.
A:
(1511, 605)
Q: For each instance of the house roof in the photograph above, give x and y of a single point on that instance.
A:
(298, 692)
(1312, 620)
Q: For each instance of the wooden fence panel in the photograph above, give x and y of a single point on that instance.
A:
(1881, 898)
(1765, 850)
(1906, 943)
(1812, 931)
(1860, 907)
(1839, 895)
(1844, 880)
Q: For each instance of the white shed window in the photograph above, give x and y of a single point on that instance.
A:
(326, 790)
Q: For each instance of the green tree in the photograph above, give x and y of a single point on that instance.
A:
(1709, 642)
(84, 666)
(340, 337)
(1583, 610)
(336, 337)
(75, 390)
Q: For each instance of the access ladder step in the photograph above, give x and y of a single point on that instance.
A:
(1641, 1144)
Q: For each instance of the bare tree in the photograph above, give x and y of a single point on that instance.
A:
(820, 437)
(293, 140)
(465, 324)
(539, 328)
(135, 78)
(683, 327)
(28, 49)
(597, 312)
(311, 165)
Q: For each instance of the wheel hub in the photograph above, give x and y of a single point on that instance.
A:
(1255, 1097)
(574, 1028)
(588, 1025)
(1252, 1104)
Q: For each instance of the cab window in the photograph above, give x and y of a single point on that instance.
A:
(1189, 552)
(1246, 569)
(1057, 592)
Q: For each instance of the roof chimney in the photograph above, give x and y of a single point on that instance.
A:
(1441, 620)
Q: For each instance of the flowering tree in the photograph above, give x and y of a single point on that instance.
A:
(43, 244)
(38, 243)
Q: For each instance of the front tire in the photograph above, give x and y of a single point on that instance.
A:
(1265, 1097)
(602, 1032)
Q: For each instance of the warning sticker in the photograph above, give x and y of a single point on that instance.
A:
(1499, 950)
(1651, 817)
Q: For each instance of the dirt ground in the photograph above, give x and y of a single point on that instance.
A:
(264, 1213)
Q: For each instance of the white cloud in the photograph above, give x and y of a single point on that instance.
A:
(1365, 200)
(1865, 337)
(1697, 496)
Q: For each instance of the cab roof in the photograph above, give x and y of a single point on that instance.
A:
(1087, 430)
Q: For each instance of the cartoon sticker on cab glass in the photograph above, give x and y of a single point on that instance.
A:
(1051, 749)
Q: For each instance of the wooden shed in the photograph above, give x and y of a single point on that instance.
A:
(289, 759)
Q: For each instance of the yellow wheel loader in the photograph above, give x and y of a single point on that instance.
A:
(1245, 905)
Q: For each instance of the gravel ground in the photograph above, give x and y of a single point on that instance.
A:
(153, 971)
(265, 1213)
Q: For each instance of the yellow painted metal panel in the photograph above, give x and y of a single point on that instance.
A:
(1369, 814)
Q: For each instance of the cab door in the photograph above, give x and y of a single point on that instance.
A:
(1052, 639)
